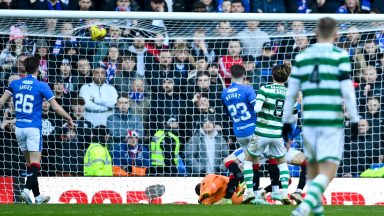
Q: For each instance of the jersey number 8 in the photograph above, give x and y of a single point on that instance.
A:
(279, 106)
(239, 108)
(24, 103)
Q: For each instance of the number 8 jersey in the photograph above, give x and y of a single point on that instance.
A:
(28, 94)
(240, 100)
(269, 123)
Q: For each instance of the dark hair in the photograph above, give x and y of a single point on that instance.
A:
(197, 189)
(326, 27)
(99, 134)
(237, 1)
(123, 95)
(237, 71)
(202, 73)
(31, 65)
(281, 73)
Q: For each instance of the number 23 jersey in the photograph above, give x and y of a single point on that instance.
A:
(28, 94)
(239, 100)
(269, 123)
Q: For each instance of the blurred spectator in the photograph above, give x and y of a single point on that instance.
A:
(371, 86)
(233, 57)
(85, 5)
(216, 79)
(114, 40)
(158, 6)
(303, 6)
(100, 98)
(201, 65)
(252, 45)
(121, 5)
(42, 54)
(62, 96)
(48, 5)
(268, 6)
(83, 73)
(82, 126)
(97, 160)
(375, 116)
(144, 60)
(9, 118)
(183, 59)
(350, 7)
(379, 5)
(139, 101)
(209, 5)
(203, 86)
(15, 47)
(223, 30)
(329, 6)
(253, 75)
(201, 47)
(70, 81)
(122, 119)
(237, 6)
(165, 113)
(131, 156)
(354, 39)
(267, 61)
(17, 69)
(301, 43)
(206, 150)
(110, 62)
(66, 41)
(50, 25)
(127, 73)
(199, 7)
(158, 44)
(369, 56)
(362, 151)
(224, 6)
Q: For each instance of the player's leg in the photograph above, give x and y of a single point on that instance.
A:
(296, 157)
(278, 151)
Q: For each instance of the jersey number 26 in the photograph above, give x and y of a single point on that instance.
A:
(24, 103)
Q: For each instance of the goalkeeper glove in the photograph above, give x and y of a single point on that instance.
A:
(354, 130)
(287, 129)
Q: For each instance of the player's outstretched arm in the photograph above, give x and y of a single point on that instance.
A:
(4, 98)
(349, 96)
(293, 91)
(60, 111)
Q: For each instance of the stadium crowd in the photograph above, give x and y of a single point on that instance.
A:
(160, 99)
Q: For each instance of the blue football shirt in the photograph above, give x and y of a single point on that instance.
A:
(28, 94)
(239, 100)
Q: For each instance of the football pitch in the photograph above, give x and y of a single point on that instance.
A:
(172, 210)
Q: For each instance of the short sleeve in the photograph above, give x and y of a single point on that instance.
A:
(46, 92)
(344, 63)
(295, 71)
(251, 95)
(261, 94)
(9, 89)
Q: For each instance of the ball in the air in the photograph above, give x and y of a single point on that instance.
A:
(98, 33)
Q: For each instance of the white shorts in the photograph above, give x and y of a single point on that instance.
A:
(274, 146)
(29, 139)
(249, 143)
(291, 154)
(323, 144)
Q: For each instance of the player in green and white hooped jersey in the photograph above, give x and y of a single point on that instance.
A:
(322, 72)
(269, 109)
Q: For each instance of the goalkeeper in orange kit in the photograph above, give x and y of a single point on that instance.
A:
(213, 188)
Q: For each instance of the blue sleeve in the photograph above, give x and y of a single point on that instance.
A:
(46, 92)
(219, 4)
(9, 89)
(247, 6)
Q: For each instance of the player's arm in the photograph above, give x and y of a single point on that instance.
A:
(260, 98)
(4, 98)
(60, 111)
(294, 83)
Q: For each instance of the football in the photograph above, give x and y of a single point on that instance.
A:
(98, 33)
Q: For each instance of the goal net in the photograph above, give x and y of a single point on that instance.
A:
(155, 82)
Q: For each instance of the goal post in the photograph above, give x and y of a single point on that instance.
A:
(159, 96)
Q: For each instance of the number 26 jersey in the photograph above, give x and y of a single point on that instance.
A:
(239, 101)
(28, 94)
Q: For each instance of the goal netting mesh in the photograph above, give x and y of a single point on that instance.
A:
(156, 85)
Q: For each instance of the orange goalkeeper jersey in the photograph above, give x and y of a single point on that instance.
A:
(213, 188)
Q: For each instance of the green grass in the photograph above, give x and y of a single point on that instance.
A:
(172, 210)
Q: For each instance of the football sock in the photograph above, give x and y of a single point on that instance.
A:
(35, 189)
(248, 175)
(235, 170)
(231, 187)
(302, 178)
(318, 210)
(256, 177)
(32, 173)
(284, 178)
(315, 192)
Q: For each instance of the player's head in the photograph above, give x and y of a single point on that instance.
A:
(281, 73)
(100, 134)
(197, 189)
(237, 72)
(326, 29)
(31, 65)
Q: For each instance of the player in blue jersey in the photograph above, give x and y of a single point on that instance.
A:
(239, 100)
(28, 94)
